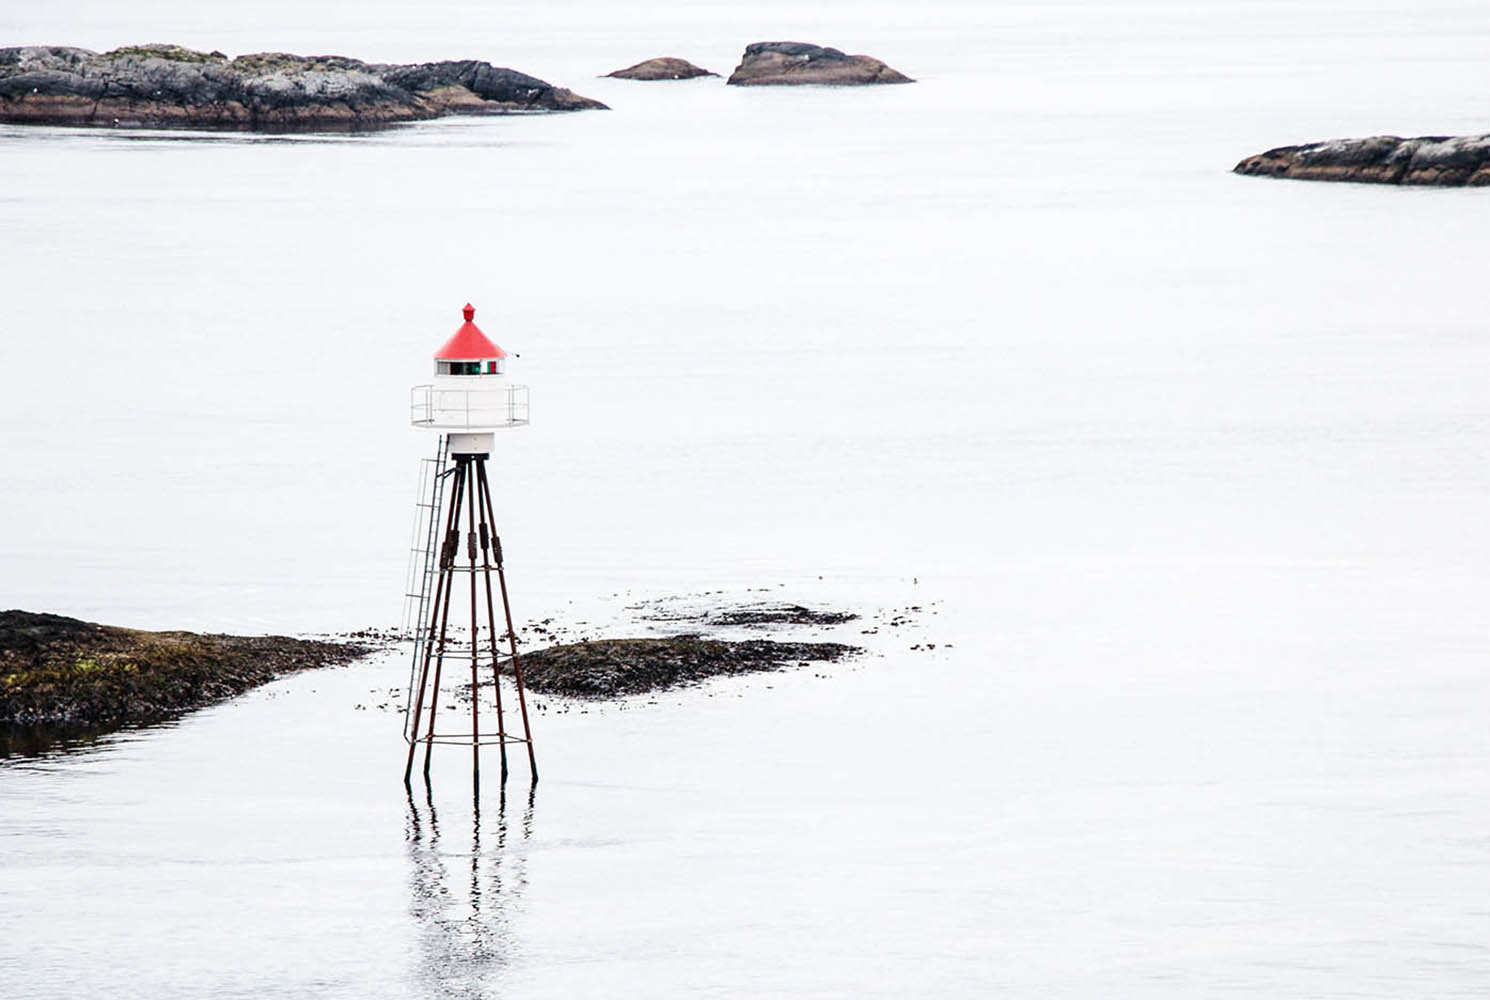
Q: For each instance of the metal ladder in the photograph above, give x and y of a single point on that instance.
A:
(422, 542)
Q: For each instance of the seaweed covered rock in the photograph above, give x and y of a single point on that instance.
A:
(171, 86)
(1442, 161)
(662, 68)
(58, 670)
(608, 668)
(776, 63)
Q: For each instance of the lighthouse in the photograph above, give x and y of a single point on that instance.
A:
(461, 575)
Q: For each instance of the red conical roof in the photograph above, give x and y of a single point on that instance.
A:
(469, 343)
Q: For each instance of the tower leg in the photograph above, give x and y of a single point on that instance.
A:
(517, 670)
(491, 617)
(475, 644)
(447, 566)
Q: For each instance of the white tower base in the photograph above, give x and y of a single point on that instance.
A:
(466, 443)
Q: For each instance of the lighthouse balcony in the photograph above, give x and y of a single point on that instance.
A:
(444, 407)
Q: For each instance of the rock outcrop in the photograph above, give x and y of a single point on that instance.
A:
(777, 63)
(611, 668)
(170, 86)
(62, 671)
(661, 68)
(1443, 161)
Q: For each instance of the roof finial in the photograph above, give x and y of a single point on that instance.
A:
(470, 312)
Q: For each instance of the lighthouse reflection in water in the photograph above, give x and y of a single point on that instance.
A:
(466, 886)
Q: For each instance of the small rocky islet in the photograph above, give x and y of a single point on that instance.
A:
(1430, 161)
(796, 63)
(777, 64)
(168, 86)
(615, 668)
(661, 68)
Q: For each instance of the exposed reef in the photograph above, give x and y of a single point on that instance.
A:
(759, 614)
(778, 63)
(58, 671)
(611, 668)
(1441, 161)
(662, 68)
(167, 86)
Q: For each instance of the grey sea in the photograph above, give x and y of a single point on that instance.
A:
(1186, 474)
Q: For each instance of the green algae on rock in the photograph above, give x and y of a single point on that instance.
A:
(56, 670)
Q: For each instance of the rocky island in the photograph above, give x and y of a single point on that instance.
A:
(167, 86)
(786, 63)
(603, 667)
(612, 668)
(58, 671)
(1442, 161)
(662, 68)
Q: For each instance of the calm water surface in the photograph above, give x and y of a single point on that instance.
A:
(1187, 471)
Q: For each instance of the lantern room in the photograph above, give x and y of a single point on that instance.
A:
(470, 352)
(470, 391)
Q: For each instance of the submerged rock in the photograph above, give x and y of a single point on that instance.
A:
(778, 614)
(609, 668)
(1443, 161)
(57, 670)
(662, 68)
(171, 86)
(773, 63)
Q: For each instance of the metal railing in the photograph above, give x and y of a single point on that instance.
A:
(460, 408)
